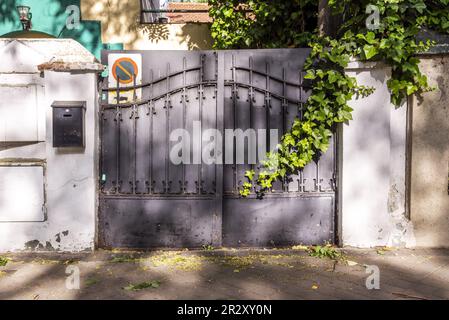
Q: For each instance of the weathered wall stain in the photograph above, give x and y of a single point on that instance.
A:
(429, 201)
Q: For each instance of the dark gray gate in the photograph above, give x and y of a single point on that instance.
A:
(147, 201)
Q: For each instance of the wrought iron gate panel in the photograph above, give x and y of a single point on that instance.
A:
(147, 201)
(263, 90)
(135, 136)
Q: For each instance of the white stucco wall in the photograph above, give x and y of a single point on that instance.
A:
(372, 167)
(68, 223)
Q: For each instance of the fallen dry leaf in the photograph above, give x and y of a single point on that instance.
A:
(300, 247)
(351, 263)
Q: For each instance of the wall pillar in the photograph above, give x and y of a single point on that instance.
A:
(372, 166)
(48, 196)
(72, 172)
(429, 194)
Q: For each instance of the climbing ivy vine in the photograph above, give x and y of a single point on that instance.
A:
(279, 23)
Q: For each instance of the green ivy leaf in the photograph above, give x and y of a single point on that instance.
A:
(369, 51)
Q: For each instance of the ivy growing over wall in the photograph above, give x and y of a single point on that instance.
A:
(280, 23)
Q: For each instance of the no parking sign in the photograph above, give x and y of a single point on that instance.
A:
(124, 71)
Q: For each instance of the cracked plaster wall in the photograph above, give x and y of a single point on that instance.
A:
(70, 173)
(429, 195)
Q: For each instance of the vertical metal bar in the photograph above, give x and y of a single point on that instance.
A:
(135, 117)
(234, 106)
(220, 101)
(251, 107)
(284, 102)
(251, 89)
(299, 117)
(302, 185)
(219, 123)
(167, 132)
(134, 88)
(184, 115)
(118, 119)
(200, 100)
(101, 129)
(267, 104)
(151, 111)
(284, 109)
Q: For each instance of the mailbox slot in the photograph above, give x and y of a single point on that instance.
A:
(68, 124)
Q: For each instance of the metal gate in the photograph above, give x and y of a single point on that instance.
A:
(148, 201)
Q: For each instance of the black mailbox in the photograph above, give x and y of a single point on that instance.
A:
(68, 124)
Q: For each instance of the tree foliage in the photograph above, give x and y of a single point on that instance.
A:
(269, 24)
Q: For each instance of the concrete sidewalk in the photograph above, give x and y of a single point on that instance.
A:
(226, 274)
